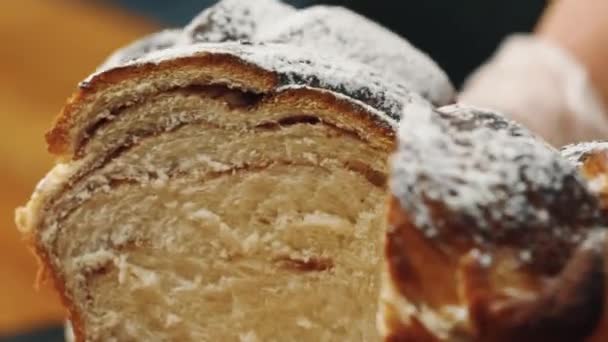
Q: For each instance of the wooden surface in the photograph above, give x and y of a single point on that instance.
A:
(47, 47)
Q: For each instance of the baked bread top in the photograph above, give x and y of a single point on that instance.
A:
(262, 48)
(321, 30)
(493, 235)
(467, 172)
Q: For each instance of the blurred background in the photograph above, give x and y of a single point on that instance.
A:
(49, 45)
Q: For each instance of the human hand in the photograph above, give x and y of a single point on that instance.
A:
(540, 85)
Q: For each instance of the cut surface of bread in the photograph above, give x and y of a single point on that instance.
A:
(237, 221)
(493, 236)
(219, 219)
(213, 190)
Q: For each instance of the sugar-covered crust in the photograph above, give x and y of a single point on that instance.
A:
(493, 214)
(263, 47)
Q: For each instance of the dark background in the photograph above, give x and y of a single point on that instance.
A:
(458, 34)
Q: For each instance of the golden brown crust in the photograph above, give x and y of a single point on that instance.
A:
(591, 158)
(507, 227)
(468, 175)
(594, 168)
(233, 72)
(568, 307)
(321, 100)
(308, 101)
(413, 332)
(413, 263)
(59, 139)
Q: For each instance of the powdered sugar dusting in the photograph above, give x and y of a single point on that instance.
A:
(596, 241)
(235, 20)
(577, 153)
(154, 42)
(472, 173)
(345, 33)
(300, 67)
(329, 47)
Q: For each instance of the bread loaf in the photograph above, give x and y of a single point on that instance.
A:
(227, 181)
(230, 181)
